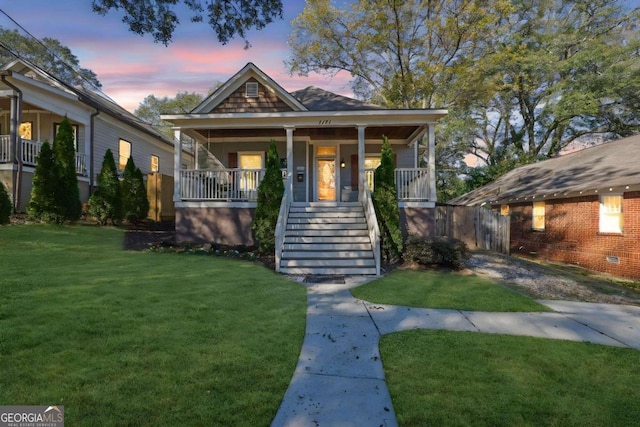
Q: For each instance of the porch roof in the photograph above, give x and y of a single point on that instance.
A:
(397, 125)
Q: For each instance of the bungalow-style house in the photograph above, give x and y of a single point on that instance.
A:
(329, 146)
(581, 208)
(32, 105)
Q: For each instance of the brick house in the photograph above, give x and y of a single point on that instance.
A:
(582, 208)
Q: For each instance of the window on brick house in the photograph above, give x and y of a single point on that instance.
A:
(611, 220)
(538, 215)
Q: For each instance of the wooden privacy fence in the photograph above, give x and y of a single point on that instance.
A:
(476, 226)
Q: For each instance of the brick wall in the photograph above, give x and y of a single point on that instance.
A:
(572, 235)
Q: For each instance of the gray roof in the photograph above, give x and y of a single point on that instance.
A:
(613, 166)
(95, 99)
(316, 99)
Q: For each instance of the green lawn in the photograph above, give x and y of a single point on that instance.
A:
(436, 289)
(443, 378)
(138, 338)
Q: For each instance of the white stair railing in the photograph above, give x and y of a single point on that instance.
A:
(372, 225)
(281, 226)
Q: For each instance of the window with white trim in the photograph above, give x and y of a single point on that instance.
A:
(124, 152)
(611, 219)
(155, 163)
(251, 165)
(538, 216)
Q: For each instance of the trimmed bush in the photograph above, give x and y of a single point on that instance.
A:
(106, 203)
(270, 192)
(42, 205)
(5, 205)
(385, 201)
(135, 203)
(442, 251)
(67, 194)
(55, 196)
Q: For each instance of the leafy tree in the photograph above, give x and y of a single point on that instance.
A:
(228, 18)
(67, 194)
(151, 108)
(5, 205)
(522, 79)
(401, 53)
(106, 203)
(385, 201)
(270, 192)
(135, 203)
(48, 54)
(557, 71)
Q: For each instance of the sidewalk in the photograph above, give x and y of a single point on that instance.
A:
(339, 379)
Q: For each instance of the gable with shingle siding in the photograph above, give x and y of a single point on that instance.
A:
(238, 102)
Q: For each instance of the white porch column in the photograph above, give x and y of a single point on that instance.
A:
(289, 181)
(416, 153)
(177, 165)
(361, 174)
(432, 162)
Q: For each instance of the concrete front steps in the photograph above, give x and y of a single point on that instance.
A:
(327, 238)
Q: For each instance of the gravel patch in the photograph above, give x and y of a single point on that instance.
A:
(549, 282)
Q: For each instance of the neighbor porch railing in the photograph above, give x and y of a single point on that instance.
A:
(225, 184)
(31, 150)
(412, 184)
(5, 148)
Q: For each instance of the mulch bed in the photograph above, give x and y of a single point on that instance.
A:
(142, 236)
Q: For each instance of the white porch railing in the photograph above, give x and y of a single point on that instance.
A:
(81, 164)
(31, 151)
(227, 184)
(372, 225)
(412, 184)
(5, 148)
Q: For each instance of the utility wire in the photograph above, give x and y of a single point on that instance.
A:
(75, 72)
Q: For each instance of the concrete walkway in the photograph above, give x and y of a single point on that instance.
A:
(339, 380)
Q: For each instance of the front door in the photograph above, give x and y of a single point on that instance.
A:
(326, 173)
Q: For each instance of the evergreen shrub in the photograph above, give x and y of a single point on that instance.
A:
(385, 202)
(42, 204)
(5, 205)
(135, 204)
(270, 192)
(106, 203)
(442, 251)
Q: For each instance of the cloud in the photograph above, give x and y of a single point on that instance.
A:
(131, 67)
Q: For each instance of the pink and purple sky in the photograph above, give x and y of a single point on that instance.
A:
(130, 67)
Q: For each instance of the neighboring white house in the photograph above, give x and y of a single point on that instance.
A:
(33, 103)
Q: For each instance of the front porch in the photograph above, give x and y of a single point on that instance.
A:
(330, 145)
(27, 153)
(240, 185)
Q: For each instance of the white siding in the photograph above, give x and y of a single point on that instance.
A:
(107, 134)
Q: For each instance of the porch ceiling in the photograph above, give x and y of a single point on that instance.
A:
(324, 133)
